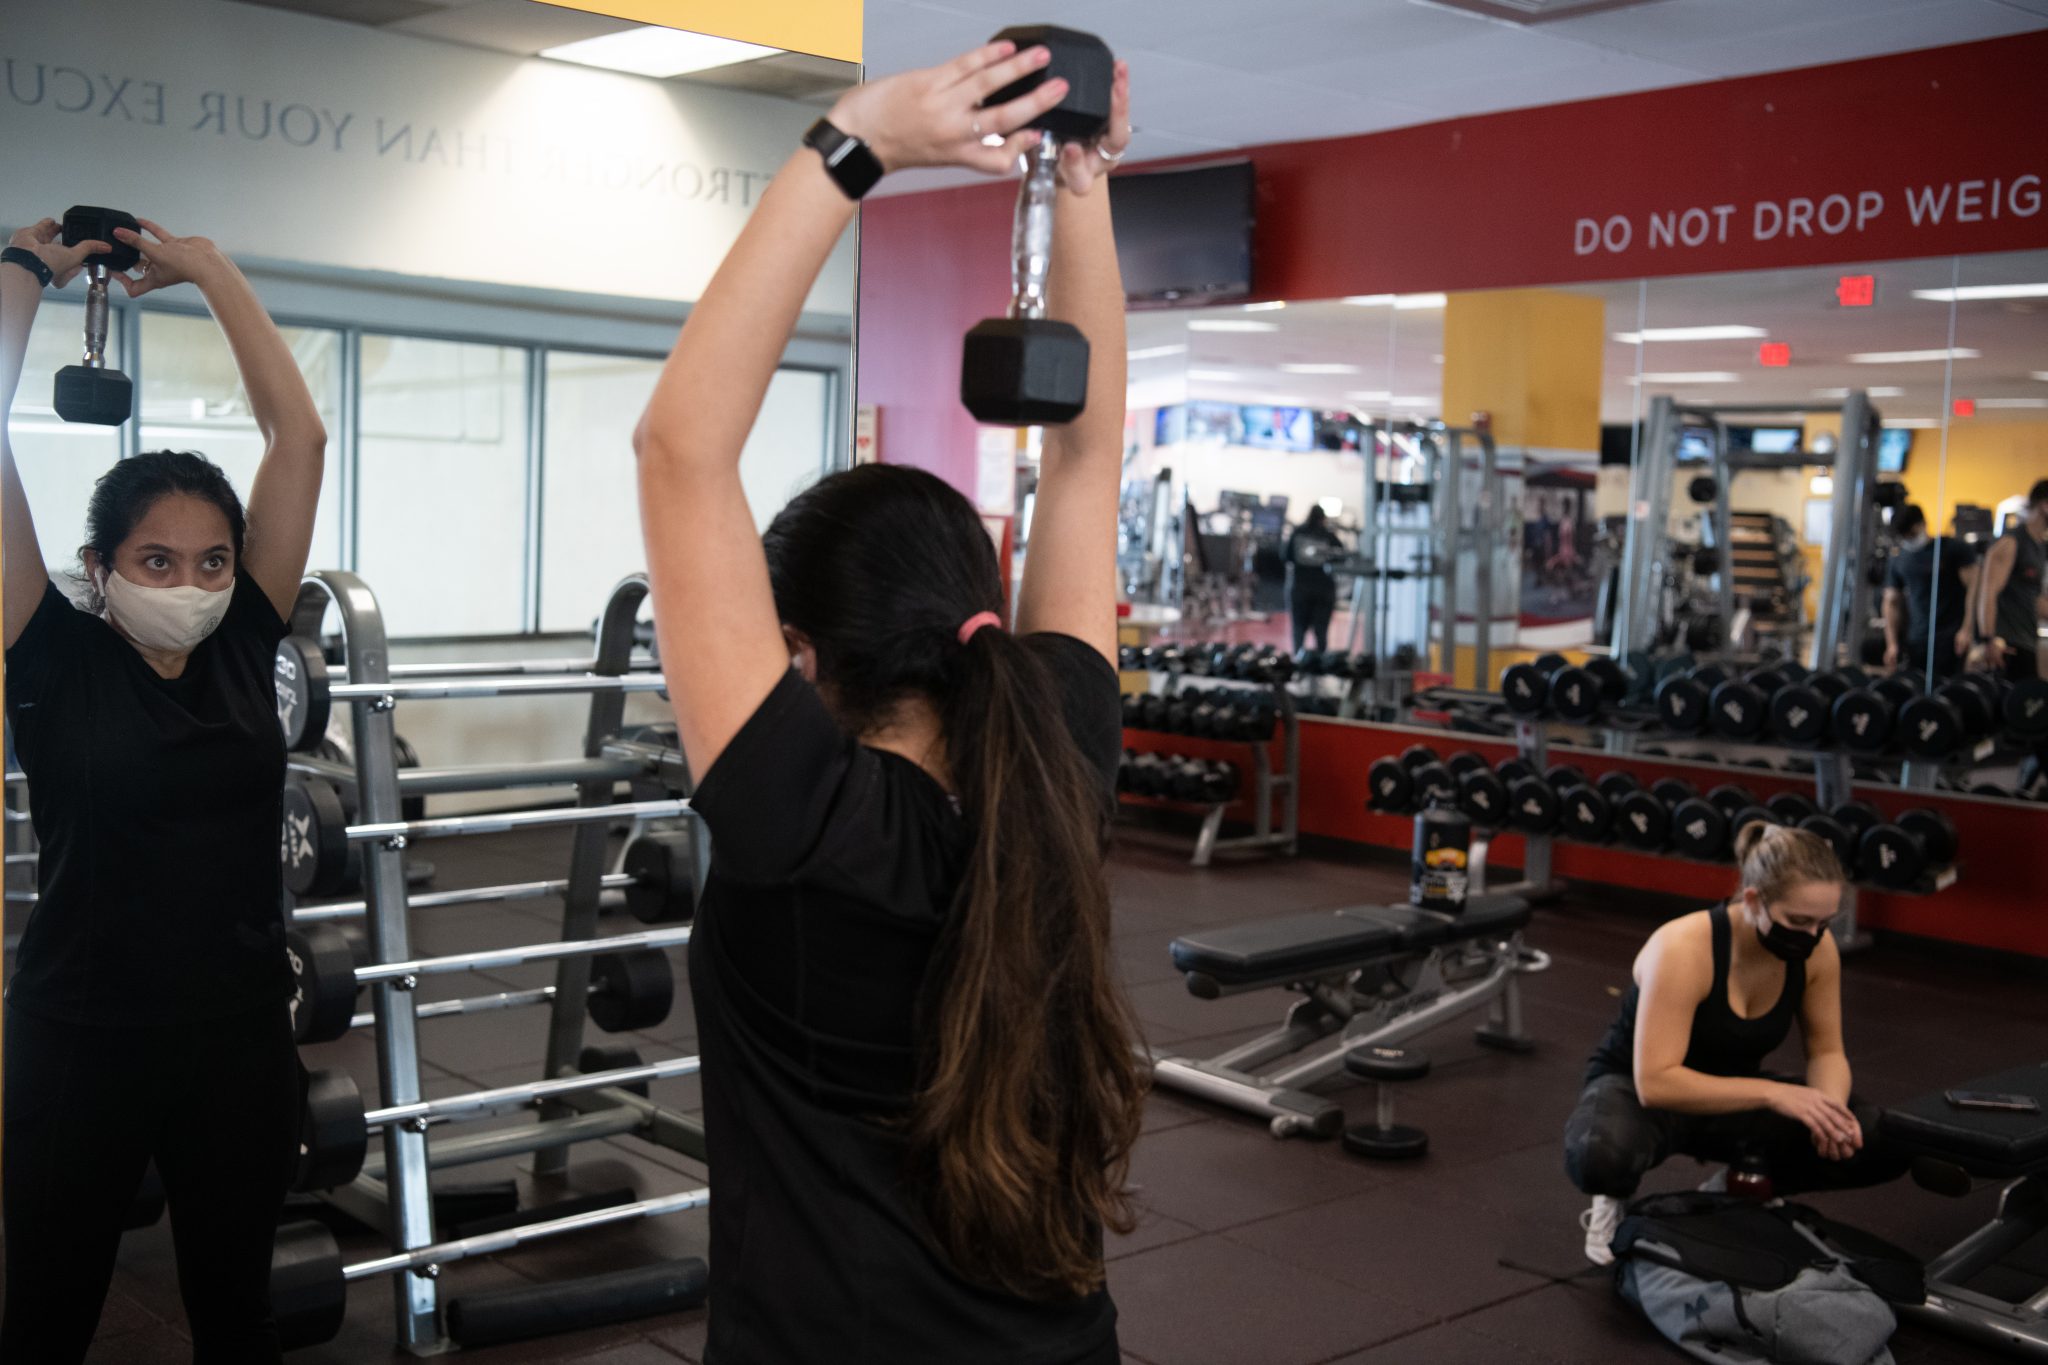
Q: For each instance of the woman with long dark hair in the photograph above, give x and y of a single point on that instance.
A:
(920, 1086)
(148, 1018)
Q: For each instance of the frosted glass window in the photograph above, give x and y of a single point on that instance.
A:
(590, 517)
(192, 399)
(59, 461)
(441, 490)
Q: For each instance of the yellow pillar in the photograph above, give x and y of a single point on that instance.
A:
(824, 28)
(1530, 360)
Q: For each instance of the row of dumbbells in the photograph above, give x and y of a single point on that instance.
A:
(1784, 701)
(1176, 777)
(1244, 662)
(1669, 816)
(1214, 713)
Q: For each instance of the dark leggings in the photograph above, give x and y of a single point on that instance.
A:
(1611, 1141)
(1310, 614)
(214, 1103)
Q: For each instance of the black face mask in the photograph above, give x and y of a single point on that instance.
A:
(1788, 943)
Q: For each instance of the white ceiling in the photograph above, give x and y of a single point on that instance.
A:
(1214, 74)
(1397, 352)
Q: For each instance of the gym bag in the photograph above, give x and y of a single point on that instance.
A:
(1733, 1282)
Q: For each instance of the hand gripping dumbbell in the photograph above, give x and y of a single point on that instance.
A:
(90, 391)
(1026, 369)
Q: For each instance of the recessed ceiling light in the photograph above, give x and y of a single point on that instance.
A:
(2039, 374)
(1370, 395)
(1332, 367)
(1154, 352)
(1436, 360)
(1688, 377)
(1728, 333)
(1215, 376)
(1970, 292)
(1874, 391)
(1421, 300)
(1913, 423)
(1269, 306)
(657, 51)
(2012, 402)
(1913, 357)
(1231, 325)
(1417, 401)
(1370, 300)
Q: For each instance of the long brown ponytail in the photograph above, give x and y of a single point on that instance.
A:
(1018, 1140)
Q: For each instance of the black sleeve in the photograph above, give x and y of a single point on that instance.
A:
(1088, 701)
(1895, 574)
(251, 613)
(769, 797)
(49, 645)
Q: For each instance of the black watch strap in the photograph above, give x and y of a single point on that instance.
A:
(29, 261)
(848, 160)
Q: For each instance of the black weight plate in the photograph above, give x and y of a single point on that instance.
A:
(1642, 821)
(1615, 785)
(1799, 714)
(300, 673)
(612, 1057)
(1700, 830)
(1672, 790)
(1730, 798)
(1936, 832)
(1535, 806)
(1792, 671)
(1682, 705)
(1891, 857)
(1586, 816)
(1513, 770)
(1737, 709)
(1547, 664)
(1828, 686)
(1562, 777)
(1483, 798)
(323, 983)
(1898, 688)
(313, 845)
(332, 1136)
(1861, 720)
(1790, 808)
(1971, 708)
(1465, 761)
(1415, 755)
(2026, 708)
(1642, 673)
(1575, 694)
(1709, 676)
(1930, 727)
(663, 865)
(1612, 677)
(1393, 790)
(1838, 837)
(1433, 782)
(1856, 816)
(1524, 689)
(1677, 665)
(1749, 815)
(631, 990)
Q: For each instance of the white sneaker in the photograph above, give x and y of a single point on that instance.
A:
(1600, 1221)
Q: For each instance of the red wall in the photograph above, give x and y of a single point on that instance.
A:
(1994, 904)
(1496, 201)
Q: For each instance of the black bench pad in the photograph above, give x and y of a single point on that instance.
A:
(1328, 941)
(1983, 1142)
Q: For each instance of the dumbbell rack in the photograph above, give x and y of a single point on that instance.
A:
(395, 1195)
(19, 841)
(1268, 784)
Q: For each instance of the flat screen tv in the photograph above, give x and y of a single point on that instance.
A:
(1893, 446)
(1278, 429)
(1185, 236)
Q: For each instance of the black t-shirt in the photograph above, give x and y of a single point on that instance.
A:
(1309, 549)
(157, 806)
(1913, 573)
(834, 868)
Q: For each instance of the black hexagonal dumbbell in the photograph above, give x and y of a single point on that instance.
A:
(1643, 818)
(1864, 718)
(1027, 369)
(90, 391)
(1392, 780)
(1738, 708)
(1954, 716)
(1897, 854)
(1682, 698)
(1801, 710)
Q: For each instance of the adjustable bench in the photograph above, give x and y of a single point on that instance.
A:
(1953, 1147)
(1367, 974)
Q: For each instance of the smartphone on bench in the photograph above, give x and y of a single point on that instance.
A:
(1985, 1099)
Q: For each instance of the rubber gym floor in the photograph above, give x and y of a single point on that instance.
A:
(1251, 1251)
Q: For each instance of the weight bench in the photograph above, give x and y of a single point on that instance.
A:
(1953, 1148)
(1367, 974)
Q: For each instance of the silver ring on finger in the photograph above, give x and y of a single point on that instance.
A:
(1111, 157)
(977, 130)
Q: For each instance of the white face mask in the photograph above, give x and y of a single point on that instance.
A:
(170, 619)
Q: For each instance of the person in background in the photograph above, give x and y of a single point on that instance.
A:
(1311, 587)
(1714, 993)
(920, 1083)
(149, 1018)
(1926, 597)
(2009, 602)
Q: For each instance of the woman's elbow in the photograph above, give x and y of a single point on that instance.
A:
(1653, 1089)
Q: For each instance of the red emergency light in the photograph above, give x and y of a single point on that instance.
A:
(1774, 354)
(1856, 291)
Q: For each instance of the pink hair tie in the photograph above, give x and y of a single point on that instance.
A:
(976, 622)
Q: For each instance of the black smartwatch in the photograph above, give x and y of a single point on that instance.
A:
(852, 166)
(29, 261)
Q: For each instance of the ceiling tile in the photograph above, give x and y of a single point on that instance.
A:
(1932, 23)
(1612, 75)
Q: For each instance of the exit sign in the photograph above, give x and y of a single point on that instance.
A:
(1856, 291)
(1965, 407)
(1774, 354)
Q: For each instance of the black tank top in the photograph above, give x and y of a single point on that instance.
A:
(1722, 1043)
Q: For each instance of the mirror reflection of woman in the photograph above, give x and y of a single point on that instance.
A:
(148, 1019)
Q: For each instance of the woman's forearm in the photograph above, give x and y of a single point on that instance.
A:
(1828, 1072)
(711, 388)
(279, 400)
(1685, 1091)
(21, 295)
(1086, 289)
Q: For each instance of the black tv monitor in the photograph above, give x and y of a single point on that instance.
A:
(1766, 440)
(1894, 445)
(1185, 236)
